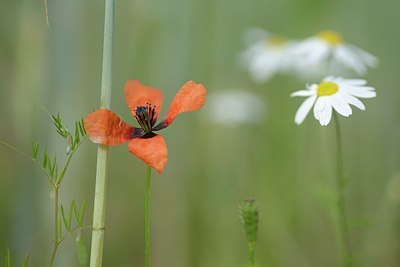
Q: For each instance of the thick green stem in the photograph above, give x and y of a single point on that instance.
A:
(147, 218)
(341, 203)
(252, 257)
(96, 255)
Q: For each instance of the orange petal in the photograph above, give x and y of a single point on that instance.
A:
(190, 97)
(152, 150)
(105, 127)
(137, 94)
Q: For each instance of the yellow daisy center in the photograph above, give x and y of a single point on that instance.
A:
(331, 37)
(327, 88)
(276, 40)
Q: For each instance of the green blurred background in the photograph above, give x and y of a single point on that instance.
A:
(211, 168)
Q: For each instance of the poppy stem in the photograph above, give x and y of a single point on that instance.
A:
(345, 246)
(96, 255)
(147, 218)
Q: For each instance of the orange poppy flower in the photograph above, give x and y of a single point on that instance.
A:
(105, 127)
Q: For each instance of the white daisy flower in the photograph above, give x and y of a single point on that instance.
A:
(332, 92)
(326, 52)
(266, 56)
(234, 107)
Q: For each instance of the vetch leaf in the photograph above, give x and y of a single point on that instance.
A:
(53, 167)
(80, 214)
(67, 223)
(70, 213)
(81, 128)
(35, 149)
(49, 166)
(77, 136)
(76, 212)
(45, 159)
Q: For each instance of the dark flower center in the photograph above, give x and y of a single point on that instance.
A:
(146, 116)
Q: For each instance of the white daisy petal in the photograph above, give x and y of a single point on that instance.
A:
(312, 87)
(302, 93)
(304, 109)
(369, 59)
(350, 59)
(318, 107)
(366, 88)
(361, 92)
(357, 82)
(340, 105)
(353, 101)
(327, 115)
(325, 111)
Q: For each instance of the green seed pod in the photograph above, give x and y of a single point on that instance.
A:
(250, 216)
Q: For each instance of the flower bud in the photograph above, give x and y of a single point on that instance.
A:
(250, 216)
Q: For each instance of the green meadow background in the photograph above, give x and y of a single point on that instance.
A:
(289, 169)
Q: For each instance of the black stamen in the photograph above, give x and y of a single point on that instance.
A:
(146, 116)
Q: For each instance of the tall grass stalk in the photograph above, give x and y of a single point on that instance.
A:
(96, 255)
(345, 246)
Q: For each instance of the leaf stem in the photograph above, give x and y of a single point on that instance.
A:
(345, 246)
(32, 159)
(75, 230)
(96, 255)
(147, 218)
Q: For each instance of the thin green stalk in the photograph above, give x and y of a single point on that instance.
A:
(46, 12)
(56, 187)
(252, 257)
(56, 226)
(96, 255)
(345, 246)
(147, 218)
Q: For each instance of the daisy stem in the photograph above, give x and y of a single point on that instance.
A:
(147, 218)
(341, 204)
(96, 255)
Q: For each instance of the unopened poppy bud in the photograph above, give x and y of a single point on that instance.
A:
(250, 216)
